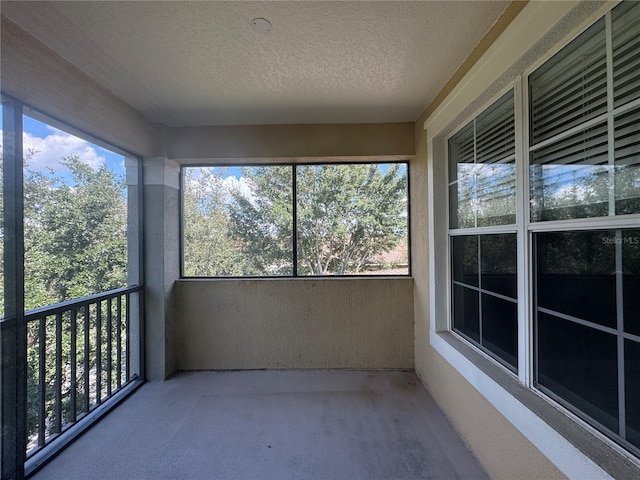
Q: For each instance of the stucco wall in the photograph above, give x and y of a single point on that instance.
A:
(259, 141)
(504, 451)
(294, 323)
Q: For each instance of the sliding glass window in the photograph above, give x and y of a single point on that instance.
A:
(584, 165)
(482, 216)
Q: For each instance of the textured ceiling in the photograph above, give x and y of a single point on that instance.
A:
(200, 63)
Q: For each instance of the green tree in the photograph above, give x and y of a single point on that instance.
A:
(75, 233)
(75, 245)
(208, 247)
(346, 216)
(262, 223)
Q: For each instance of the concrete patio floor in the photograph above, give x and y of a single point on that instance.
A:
(301, 424)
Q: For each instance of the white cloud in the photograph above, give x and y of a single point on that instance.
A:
(242, 184)
(50, 150)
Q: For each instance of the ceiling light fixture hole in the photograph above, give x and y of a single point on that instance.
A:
(261, 25)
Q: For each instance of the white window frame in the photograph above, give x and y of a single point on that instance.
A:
(487, 230)
(541, 21)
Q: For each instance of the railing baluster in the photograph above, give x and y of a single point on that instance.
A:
(109, 349)
(128, 337)
(48, 402)
(42, 388)
(119, 342)
(87, 352)
(98, 352)
(73, 354)
(58, 379)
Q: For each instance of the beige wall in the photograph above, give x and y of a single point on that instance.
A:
(291, 141)
(294, 323)
(503, 451)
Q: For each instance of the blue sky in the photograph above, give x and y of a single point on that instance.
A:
(51, 145)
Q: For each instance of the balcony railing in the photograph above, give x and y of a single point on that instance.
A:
(78, 358)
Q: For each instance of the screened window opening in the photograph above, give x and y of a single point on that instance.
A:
(75, 216)
(295, 220)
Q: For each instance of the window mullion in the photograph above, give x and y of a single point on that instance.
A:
(294, 218)
(525, 325)
(610, 123)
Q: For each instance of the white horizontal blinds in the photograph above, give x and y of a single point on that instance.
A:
(569, 178)
(580, 103)
(495, 132)
(462, 186)
(626, 52)
(482, 168)
(571, 87)
(495, 159)
(627, 154)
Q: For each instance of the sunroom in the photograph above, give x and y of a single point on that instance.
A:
(258, 212)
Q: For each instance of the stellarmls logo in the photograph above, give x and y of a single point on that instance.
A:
(621, 241)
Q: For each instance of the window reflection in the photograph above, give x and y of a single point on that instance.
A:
(484, 195)
(561, 192)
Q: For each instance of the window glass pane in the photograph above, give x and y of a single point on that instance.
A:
(570, 88)
(75, 216)
(632, 390)
(500, 328)
(579, 365)
(627, 173)
(482, 168)
(461, 200)
(352, 219)
(498, 264)
(570, 178)
(238, 221)
(626, 52)
(496, 194)
(495, 131)
(575, 275)
(465, 312)
(461, 152)
(631, 281)
(464, 252)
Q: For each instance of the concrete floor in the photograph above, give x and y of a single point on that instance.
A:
(317, 424)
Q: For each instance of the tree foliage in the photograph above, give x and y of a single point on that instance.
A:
(75, 233)
(208, 247)
(346, 217)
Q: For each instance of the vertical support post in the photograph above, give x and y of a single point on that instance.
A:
(13, 332)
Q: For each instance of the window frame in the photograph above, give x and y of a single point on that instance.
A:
(294, 164)
(486, 374)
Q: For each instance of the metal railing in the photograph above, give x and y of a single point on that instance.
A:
(78, 356)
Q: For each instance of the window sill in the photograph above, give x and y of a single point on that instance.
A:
(575, 448)
(302, 278)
